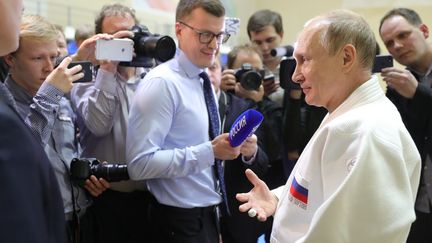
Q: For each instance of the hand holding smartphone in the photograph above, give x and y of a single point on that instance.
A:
(87, 69)
(382, 61)
(115, 50)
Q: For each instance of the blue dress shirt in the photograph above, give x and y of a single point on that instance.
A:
(168, 141)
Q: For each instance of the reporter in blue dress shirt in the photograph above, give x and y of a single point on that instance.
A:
(39, 91)
(168, 139)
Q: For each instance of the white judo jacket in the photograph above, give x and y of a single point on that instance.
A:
(356, 180)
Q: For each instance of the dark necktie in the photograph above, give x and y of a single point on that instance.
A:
(214, 129)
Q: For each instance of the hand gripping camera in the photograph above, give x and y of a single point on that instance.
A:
(249, 78)
(150, 47)
(82, 169)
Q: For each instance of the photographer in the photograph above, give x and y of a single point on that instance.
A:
(103, 109)
(271, 126)
(405, 36)
(39, 91)
(265, 31)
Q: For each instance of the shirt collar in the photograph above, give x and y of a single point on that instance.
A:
(18, 92)
(191, 70)
(422, 76)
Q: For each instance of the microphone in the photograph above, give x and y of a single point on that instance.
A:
(244, 126)
(282, 51)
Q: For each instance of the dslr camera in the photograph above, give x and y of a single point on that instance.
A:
(150, 49)
(249, 78)
(82, 169)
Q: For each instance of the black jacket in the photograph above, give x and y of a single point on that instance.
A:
(239, 227)
(416, 114)
(31, 208)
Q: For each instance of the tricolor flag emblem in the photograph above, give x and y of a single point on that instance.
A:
(299, 193)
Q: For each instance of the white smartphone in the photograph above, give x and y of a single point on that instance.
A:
(115, 50)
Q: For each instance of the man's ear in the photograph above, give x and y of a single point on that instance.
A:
(349, 55)
(425, 30)
(9, 60)
(178, 29)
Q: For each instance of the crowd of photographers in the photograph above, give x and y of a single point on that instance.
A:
(84, 125)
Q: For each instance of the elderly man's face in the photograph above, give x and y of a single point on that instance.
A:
(317, 71)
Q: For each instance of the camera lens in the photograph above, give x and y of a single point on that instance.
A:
(111, 172)
(82, 169)
(165, 49)
(150, 47)
(250, 80)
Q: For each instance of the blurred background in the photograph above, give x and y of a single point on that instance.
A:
(158, 15)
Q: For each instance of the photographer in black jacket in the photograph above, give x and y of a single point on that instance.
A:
(405, 36)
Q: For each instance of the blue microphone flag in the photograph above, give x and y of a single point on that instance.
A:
(244, 126)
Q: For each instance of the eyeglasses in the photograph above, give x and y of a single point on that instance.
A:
(205, 37)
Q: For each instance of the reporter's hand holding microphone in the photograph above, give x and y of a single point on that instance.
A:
(259, 202)
(240, 139)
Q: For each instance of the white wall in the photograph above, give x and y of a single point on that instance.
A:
(294, 13)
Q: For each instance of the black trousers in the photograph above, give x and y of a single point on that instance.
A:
(421, 229)
(122, 217)
(83, 231)
(182, 225)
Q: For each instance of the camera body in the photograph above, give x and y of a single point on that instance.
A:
(150, 48)
(249, 78)
(82, 169)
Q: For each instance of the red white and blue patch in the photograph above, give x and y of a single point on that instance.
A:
(299, 193)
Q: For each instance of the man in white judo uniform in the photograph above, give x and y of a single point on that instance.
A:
(357, 179)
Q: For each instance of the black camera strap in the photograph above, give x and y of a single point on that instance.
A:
(75, 217)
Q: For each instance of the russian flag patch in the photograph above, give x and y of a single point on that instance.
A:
(299, 193)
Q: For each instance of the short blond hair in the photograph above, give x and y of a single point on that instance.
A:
(38, 28)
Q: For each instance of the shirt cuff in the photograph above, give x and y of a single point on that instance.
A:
(106, 81)
(50, 93)
(251, 160)
(203, 153)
